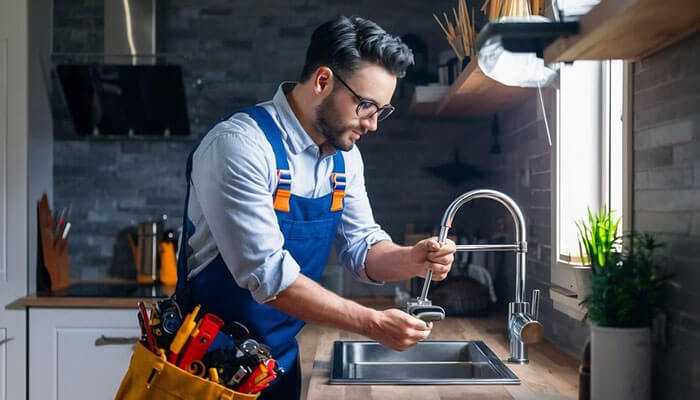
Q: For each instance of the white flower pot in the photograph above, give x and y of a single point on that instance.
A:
(583, 281)
(620, 363)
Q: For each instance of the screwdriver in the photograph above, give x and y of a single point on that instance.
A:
(188, 325)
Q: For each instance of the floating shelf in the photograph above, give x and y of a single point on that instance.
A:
(476, 94)
(472, 94)
(627, 29)
(426, 99)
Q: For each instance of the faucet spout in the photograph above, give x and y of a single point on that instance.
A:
(520, 246)
(523, 327)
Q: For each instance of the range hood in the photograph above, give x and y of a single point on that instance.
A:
(128, 93)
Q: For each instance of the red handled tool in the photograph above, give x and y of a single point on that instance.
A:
(202, 337)
(260, 378)
(145, 323)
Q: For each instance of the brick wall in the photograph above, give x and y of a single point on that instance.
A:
(240, 52)
(667, 199)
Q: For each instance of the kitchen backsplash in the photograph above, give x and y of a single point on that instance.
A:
(667, 200)
(235, 55)
(522, 169)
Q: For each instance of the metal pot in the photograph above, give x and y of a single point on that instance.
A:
(147, 248)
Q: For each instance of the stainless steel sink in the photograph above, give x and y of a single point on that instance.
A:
(427, 363)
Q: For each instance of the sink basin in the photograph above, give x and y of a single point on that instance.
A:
(426, 363)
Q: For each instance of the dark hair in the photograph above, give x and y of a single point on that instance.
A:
(343, 43)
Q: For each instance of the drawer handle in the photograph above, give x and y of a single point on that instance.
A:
(6, 340)
(115, 341)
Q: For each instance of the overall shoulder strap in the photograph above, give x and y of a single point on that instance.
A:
(187, 230)
(283, 192)
(273, 135)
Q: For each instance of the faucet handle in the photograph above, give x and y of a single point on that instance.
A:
(535, 304)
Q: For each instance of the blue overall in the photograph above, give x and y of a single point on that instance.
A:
(308, 228)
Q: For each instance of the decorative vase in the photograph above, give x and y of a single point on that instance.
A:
(620, 363)
(583, 281)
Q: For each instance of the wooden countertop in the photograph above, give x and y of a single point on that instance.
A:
(551, 374)
(34, 301)
(62, 300)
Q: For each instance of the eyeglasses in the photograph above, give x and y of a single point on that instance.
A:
(366, 108)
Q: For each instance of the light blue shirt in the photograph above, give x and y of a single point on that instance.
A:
(234, 176)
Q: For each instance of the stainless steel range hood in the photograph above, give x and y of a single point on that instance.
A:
(129, 92)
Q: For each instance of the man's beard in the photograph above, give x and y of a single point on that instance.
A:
(328, 124)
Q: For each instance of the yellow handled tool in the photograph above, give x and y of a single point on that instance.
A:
(214, 375)
(188, 325)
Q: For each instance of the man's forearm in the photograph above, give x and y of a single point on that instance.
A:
(389, 262)
(310, 302)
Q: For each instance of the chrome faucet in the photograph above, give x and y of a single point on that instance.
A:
(523, 327)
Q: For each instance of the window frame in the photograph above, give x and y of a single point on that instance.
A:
(562, 273)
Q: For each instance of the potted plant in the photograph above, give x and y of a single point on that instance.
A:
(597, 240)
(627, 293)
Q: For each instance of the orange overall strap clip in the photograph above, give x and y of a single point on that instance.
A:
(284, 190)
(338, 180)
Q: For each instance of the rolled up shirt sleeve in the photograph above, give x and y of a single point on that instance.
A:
(357, 230)
(231, 176)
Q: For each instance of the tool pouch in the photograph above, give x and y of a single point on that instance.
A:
(152, 377)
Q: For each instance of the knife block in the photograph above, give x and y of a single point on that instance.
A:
(53, 259)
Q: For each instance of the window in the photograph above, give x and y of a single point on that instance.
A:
(589, 159)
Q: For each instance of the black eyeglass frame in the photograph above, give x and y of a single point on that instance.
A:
(387, 109)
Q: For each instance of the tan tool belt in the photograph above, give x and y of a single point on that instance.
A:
(152, 377)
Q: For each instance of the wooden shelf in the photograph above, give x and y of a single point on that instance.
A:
(627, 29)
(472, 94)
(426, 99)
(476, 94)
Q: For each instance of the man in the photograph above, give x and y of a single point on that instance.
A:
(274, 186)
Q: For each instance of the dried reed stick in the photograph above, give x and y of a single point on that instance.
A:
(447, 34)
(495, 9)
(460, 34)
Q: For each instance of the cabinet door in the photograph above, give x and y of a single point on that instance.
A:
(79, 354)
(13, 196)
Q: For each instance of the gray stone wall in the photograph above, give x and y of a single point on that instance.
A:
(234, 54)
(667, 200)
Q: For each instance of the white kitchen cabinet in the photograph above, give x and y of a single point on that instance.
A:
(79, 353)
(26, 171)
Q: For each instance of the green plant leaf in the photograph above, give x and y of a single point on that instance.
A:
(630, 290)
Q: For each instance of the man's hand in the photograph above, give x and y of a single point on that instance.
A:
(427, 254)
(309, 301)
(397, 330)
